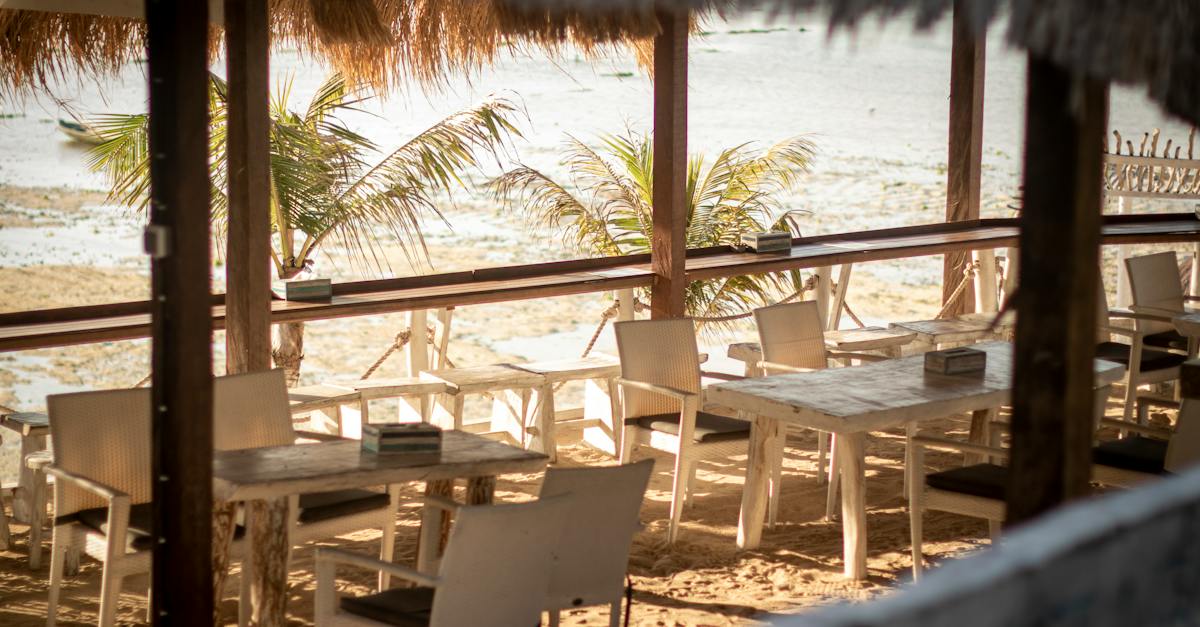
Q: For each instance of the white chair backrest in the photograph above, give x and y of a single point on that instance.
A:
(251, 410)
(104, 436)
(661, 352)
(791, 334)
(592, 557)
(497, 565)
(1184, 448)
(1154, 282)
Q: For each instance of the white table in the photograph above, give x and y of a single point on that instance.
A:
(267, 476)
(1188, 325)
(851, 402)
(963, 329)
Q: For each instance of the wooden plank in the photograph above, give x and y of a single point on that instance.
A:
(248, 244)
(124, 321)
(1066, 121)
(181, 355)
(668, 244)
(967, 62)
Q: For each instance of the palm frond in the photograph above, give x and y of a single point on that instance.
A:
(548, 205)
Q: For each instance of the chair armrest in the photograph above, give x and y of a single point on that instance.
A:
(724, 376)
(958, 446)
(771, 365)
(95, 487)
(657, 389)
(1160, 432)
(1122, 331)
(1144, 312)
(318, 436)
(441, 502)
(858, 356)
(1186, 297)
(338, 556)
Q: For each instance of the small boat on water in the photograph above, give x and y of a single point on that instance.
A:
(80, 132)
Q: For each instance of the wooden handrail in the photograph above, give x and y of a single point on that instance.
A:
(130, 320)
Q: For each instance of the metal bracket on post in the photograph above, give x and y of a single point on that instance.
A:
(156, 241)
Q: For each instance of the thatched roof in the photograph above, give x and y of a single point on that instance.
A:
(1155, 43)
(381, 42)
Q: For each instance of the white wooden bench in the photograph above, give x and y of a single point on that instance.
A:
(423, 390)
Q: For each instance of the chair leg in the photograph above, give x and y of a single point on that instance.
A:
(994, 530)
(822, 449)
(677, 490)
(58, 555)
(110, 595)
(244, 608)
(37, 519)
(689, 493)
(614, 614)
(554, 617)
(387, 547)
(834, 479)
(914, 525)
(626, 444)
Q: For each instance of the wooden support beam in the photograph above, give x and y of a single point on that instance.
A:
(248, 248)
(1053, 367)
(967, 57)
(181, 355)
(668, 247)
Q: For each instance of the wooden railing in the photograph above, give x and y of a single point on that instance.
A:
(121, 321)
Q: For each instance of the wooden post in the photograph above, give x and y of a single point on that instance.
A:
(1053, 371)
(966, 146)
(668, 248)
(248, 271)
(181, 354)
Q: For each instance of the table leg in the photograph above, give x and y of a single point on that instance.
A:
(224, 524)
(763, 432)
(545, 440)
(23, 504)
(854, 504)
(268, 546)
(981, 423)
(435, 524)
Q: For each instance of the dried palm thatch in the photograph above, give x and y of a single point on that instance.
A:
(1155, 43)
(377, 42)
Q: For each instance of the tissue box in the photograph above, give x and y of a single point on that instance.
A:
(767, 242)
(306, 289)
(401, 438)
(956, 361)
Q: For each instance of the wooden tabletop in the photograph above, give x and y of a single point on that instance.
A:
(1188, 324)
(878, 395)
(868, 338)
(271, 472)
(394, 386)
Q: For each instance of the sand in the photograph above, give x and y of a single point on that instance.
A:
(703, 580)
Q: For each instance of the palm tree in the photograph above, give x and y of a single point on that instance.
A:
(606, 210)
(327, 182)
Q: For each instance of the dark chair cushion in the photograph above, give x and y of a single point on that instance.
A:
(709, 427)
(1135, 453)
(1166, 339)
(139, 532)
(409, 607)
(982, 480)
(1151, 359)
(318, 506)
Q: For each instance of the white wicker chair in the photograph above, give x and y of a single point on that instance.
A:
(661, 400)
(974, 490)
(1142, 364)
(251, 410)
(102, 488)
(592, 556)
(793, 340)
(496, 571)
(1156, 288)
(1152, 451)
